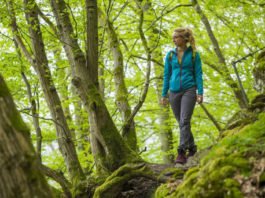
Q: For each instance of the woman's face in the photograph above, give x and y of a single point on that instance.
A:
(178, 40)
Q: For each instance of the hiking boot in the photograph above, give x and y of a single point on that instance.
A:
(192, 151)
(181, 159)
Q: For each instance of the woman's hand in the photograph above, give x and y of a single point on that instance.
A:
(199, 99)
(164, 101)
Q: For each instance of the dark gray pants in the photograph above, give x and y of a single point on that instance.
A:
(182, 104)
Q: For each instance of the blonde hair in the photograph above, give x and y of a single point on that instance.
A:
(187, 34)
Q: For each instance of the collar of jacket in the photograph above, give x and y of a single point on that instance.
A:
(174, 50)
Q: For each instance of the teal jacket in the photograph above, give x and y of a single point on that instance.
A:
(180, 77)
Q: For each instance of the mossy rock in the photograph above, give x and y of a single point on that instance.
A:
(249, 115)
(173, 172)
(240, 119)
(162, 191)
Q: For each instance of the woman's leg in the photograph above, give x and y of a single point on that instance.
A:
(175, 102)
(188, 101)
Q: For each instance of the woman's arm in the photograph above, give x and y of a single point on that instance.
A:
(198, 74)
(167, 74)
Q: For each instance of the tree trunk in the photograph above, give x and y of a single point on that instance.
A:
(65, 142)
(35, 116)
(238, 92)
(19, 168)
(165, 133)
(121, 92)
(64, 91)
(108, 148)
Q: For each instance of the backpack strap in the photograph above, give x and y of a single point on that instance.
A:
(170, 55)
(193, 64)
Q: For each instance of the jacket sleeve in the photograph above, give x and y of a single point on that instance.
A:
(198, 74)
(167, 74)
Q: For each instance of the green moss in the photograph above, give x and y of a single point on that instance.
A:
(191, 171)
(233, 192)
(13, 114)
(174, 172)
(162, 191)
(231, 183)
(228, 170)
(3, 90)
(230, 132)
(18, 123)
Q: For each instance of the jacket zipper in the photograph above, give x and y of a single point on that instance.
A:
(180, 81)
(180, 73)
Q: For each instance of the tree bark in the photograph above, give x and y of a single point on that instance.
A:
(65, 142)
(19, 168)
(35, 116)
(121, 92)
(108, 148)
(64, 91)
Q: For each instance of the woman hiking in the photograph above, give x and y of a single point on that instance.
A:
(182, 77)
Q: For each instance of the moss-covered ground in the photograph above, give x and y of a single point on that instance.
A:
(234, 167)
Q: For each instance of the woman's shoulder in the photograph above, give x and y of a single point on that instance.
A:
(170, 53)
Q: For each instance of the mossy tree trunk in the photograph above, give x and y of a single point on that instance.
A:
(64, 91)
(40, 64)
(20, 174)
(121, 92)
(41, 67)
(108, 148)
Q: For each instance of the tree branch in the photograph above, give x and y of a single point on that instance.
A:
(153, 60)
(14, 27)
(59, 178)
(146, 86)
(211, 117)
(48, 21)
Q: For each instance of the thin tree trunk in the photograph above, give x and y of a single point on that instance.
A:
(108, 148)
(40, 64)
(121, 92)
(19, 168)
(211, 117)
(101, 82)
(33, 107)
(148, 69)
(64, 91)
(165, 133)
(238, 92)
(35, 116)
